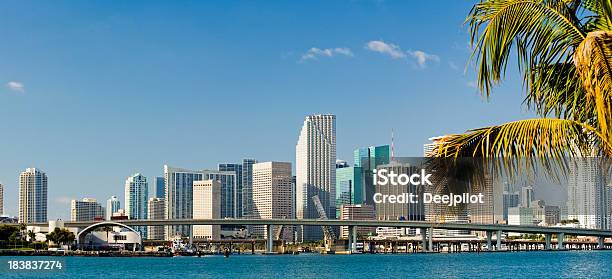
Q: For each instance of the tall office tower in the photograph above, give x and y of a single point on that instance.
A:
(526, 196)
(349, 190)
(357, 212)
(511, 199)
(237, 199)
(400, 211)
(32, 196)
(586, 193)
(157, 211)
(1, 199)
(160, 188)
(247, 187)
(136, 199)
(112, 205)
(483, 213)
(272, 195)
(179, 195)
(206, 205)
(552, 215)
(368, 158)
(315, 157)
(86, 210)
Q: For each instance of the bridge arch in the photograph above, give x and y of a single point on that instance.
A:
(91, 228)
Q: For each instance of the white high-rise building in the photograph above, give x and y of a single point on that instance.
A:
(179, 195)
(272, 192)
(206, 205)
(136, 198)
(112, 205)
(586, 193)
(32, 196)
(157, 211)
(315, 157)
(1, 199)
(86, 210)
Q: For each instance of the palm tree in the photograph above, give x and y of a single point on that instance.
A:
(564, 53)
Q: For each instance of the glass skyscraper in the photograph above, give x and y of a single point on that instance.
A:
(247, 187)
(367, 159)
(160, 188)
(136, 200)
(237, 199)
(349, 187)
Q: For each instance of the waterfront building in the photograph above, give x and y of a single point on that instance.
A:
(237, 192)
(32, 196)
(552, 215)
(206, 205)
(511, 199)
(349, 187)
(315, 154)
(156, 211)
(179, 193)
(136, 199)
(112, 205)
(400, 211)
(586, 193)
(120, 215)
(272, 194)
(86, 210)
(521, 216)
(357, 212)
(247, 187)
(160, 187)
(1, 199)
(368, 159)
(526, 196)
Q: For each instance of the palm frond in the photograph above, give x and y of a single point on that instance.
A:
(542, 31)
(593, 60)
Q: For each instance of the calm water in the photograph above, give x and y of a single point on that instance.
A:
(571, 264)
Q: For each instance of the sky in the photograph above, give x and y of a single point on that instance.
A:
(94, 91)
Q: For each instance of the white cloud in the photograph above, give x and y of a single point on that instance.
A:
(314, 53)
(390, 49)
(453, 66)
(471, 84)
(395, 51)
(63, 200)
(422, 58)
(16, 86)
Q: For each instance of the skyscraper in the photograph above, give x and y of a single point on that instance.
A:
(400, 211)
(112, 205)
(179, 195)
(32, 196)
(367, 159)
(136, 198)
(272, 182)
(157, 211)
(315, 154)
(526, 196)
(247, 187)
(586, 193)
(349, 187)
(237, 199)
(1, 199)
(160, 187)
(86, 210)
(206, 205)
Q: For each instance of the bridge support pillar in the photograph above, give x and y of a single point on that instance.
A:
(548, 238)
(269, 239)
(600, 242)
(430, 238)
(352, 239)
(424, 239)
(190, 236)
(499, 237)
(560, 237)
(489, 244)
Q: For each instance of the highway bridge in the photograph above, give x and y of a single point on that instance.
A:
(489, 229)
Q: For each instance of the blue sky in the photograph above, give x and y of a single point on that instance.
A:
(93, 91)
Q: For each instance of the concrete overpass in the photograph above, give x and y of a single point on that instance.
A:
(490, 229)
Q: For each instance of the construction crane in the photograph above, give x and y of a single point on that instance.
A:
(328, 233)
